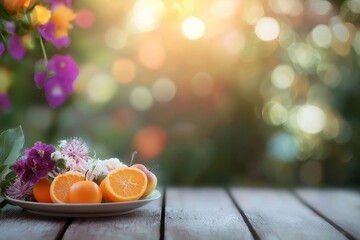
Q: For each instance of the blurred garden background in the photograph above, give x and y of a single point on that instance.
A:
(250, 92)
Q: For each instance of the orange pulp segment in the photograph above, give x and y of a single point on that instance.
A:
(125, 184)
(59, 189)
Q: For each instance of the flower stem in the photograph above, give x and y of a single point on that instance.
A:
(3, 38)
(43, 50)
(133, 157)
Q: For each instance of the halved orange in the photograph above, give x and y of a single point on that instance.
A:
(125, 184)
(59, 189)
(104, 192)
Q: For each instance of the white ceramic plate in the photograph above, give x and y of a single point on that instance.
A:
(85, 210)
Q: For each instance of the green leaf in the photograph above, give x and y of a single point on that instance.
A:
(11, 143)
(4, 15)
(2, 169)
(61, 163)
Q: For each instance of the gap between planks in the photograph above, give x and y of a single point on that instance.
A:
(332, 223)
(162, 219)
(248, 224)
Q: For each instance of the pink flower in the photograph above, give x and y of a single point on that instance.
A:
(76, 154)
(19, 190)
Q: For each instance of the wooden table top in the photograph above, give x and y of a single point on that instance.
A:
(207, 213)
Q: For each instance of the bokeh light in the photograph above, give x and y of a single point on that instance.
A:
(311, 119)
(163, 90)
(115, 38)
(282, 147)
(152, 53)
(224, 9)
(85, 18)
(321, 35)
(148, 14)
(267, 29)
(283, 76)
(101, 88)
(288, 7)
(141, 98)
(193, 28)
(150, 142)
(124, 70)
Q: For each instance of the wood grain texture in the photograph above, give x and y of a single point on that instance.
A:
(277, 214)
(18, 224)
(340, 206)
(144, 223)
(202, 214)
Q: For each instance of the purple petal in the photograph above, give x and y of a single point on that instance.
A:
(61, 42)
(58, 2)
(2, 48)
(16, 48)
(4, 101)
(47, 31)
(64, 67)
(10, 27)
(19, 167)
(55, 92)
(40, 78)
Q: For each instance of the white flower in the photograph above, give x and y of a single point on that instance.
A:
(57, 155)
(62, 143)
(112, 163)
(96, 169)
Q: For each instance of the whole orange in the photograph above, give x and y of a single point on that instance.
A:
(85, 192)
(42, 191)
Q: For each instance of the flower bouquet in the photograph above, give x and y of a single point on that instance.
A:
(66, 173)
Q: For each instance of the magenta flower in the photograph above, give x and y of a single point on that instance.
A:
(4, 102)
(58, 79)
(16, 47)
(37, 163)
(58, 2)
(2, 48)
(19, 190)
(47, 31)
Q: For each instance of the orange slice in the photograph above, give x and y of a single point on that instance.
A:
(125, 184)
(59, 189)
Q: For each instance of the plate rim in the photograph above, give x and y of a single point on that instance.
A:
(86, 210)
(155, 192)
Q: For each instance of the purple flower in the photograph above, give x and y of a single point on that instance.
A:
(40, 150)
(16, 47)
(47, 31)
(37, 163)
(58, 2)
(59, 86)
(4, 102)
(10, 27)
(2, 48)
(19, 190)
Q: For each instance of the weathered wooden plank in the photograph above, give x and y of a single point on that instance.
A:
(18, 224)
(144, 223)
(206, 213)
(277, 214)
(342, 207)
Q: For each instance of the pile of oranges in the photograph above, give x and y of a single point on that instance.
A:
(120, 185)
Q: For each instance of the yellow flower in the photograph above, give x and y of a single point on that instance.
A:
(61, 17)
(40, 15)
(5, 79)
